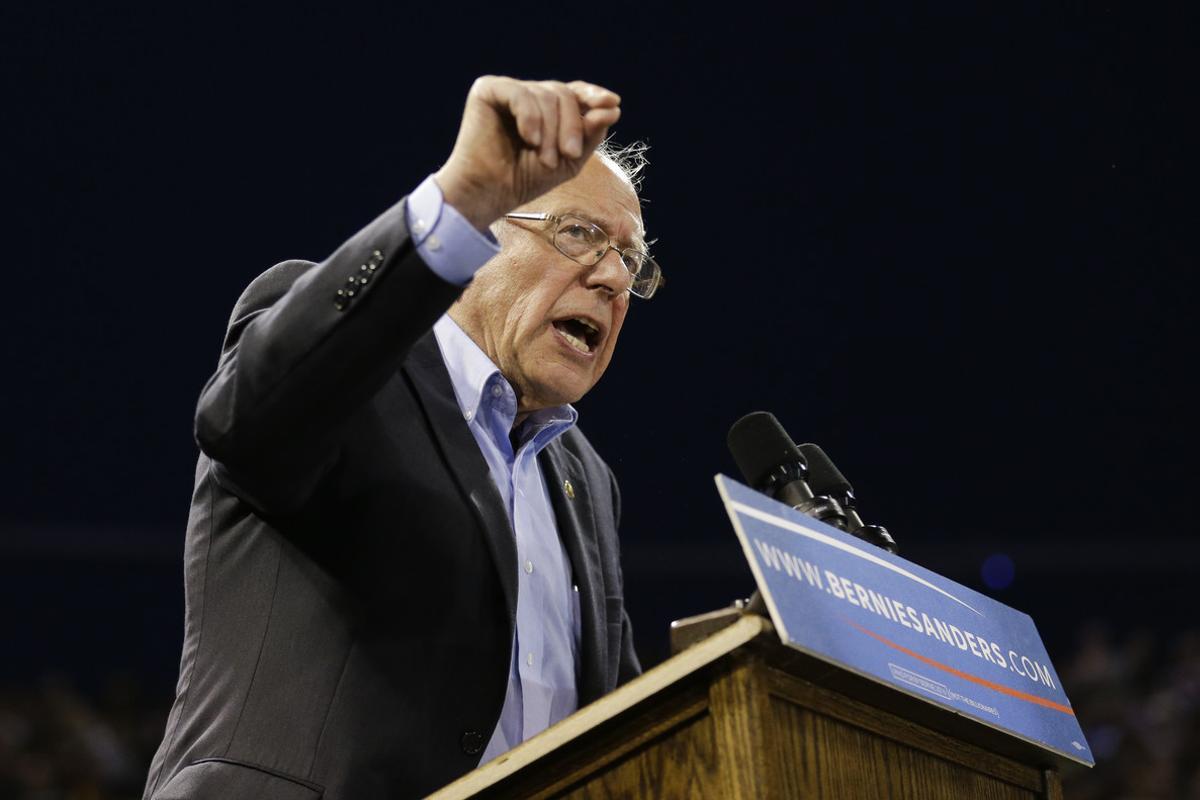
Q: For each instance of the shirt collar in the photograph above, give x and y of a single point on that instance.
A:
(472, 372)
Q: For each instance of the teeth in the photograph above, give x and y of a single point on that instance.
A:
(576, 342)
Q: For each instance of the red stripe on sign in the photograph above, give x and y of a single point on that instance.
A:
(966, 676)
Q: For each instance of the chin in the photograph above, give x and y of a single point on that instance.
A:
(557, 390)
(564, 398)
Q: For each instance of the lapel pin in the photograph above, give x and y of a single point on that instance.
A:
(569, 489)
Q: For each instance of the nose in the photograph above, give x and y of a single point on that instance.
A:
(609, 273)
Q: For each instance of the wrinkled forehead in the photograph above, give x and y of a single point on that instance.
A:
(603, 195)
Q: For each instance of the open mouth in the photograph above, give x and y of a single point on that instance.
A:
(578, 332)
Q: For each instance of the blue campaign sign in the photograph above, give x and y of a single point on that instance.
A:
(847, 602)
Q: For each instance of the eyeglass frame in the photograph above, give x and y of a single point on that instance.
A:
(542, 216)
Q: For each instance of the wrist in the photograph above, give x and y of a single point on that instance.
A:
(467, 198)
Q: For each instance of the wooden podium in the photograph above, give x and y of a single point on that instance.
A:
(738, 715)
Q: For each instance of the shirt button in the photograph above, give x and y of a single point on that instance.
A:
(529, 659)
(469, 415)
(528, 567)
(419, 226)
(496, 390)
(433, 242)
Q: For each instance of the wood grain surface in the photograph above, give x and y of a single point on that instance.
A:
(738, 716)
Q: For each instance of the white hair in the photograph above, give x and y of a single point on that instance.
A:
(626, 160)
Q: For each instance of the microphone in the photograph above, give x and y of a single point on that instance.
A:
(825, 478)
(771, 463)
(802, 477)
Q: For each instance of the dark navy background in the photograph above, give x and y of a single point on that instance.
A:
(954, 247)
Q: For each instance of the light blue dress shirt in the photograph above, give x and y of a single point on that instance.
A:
(545, 650)
(446, 242)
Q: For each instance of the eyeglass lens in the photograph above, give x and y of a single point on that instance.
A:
(587, 243)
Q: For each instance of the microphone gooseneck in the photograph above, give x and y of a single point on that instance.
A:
(825, 478)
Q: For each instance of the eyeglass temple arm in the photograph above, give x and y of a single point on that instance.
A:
(527, 215)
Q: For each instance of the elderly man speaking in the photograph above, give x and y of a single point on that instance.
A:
(401, 558)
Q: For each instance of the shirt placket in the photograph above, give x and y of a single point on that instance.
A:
(537, 688)
(531, 641)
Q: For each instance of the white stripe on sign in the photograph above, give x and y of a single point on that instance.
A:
(788, 525)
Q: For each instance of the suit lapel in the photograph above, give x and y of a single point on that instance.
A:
(432, 382)
(575, 516)
(577, 529)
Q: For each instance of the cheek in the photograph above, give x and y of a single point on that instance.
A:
(505, 307)
(513, 298)
(523, 320)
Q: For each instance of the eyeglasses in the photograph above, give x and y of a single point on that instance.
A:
(586, 243)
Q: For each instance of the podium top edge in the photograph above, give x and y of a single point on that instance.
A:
(654, 680)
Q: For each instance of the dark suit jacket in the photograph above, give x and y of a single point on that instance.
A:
(350, 571)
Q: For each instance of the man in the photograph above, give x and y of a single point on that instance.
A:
(401, 557)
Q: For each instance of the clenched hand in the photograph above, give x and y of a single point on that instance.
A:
(519, 139)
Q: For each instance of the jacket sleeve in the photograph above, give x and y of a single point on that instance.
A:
(307, 345)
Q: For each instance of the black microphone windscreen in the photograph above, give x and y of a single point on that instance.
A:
(759, 445)
(823, 476)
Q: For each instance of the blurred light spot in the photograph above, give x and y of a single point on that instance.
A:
(998, 571)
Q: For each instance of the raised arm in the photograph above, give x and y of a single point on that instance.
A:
(309, 344)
